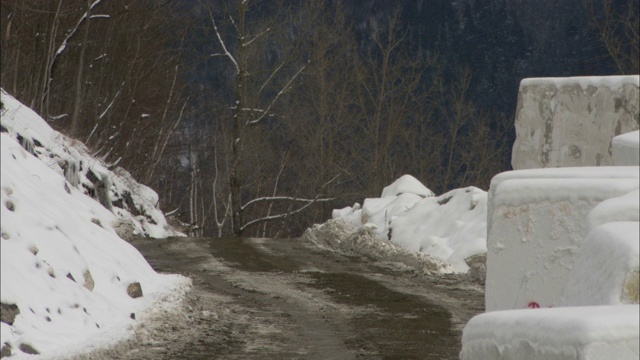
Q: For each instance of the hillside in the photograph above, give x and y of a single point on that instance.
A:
(70, 283)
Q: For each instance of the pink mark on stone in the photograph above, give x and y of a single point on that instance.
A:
(533, 305)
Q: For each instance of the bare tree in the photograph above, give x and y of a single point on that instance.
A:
(618, 25)
(259, 86)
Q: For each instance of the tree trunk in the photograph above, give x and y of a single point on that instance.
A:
(238, 128)
(75, 119)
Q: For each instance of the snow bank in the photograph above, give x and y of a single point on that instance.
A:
(134, 204)
(450, 227)
(622, 208)
(567, 122)
(336, 235)
(70, 283)
(591, 332)
(625, 149)
(406, 184)
(606, 268)
(537, 222)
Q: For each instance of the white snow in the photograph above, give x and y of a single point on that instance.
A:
(538, 220)
(53, 148)
(534, 180)
(450, 227)
(406, 184)
(612, 82)
(625, 149)
(590, 332)
(605, 267)
(621, 208)
(62, 262)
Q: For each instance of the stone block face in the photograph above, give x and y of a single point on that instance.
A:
(567, 122)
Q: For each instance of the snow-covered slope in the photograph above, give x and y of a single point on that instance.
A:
(451, 227)
(69, 283)
(134, 204)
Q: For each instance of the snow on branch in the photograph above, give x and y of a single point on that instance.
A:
(283, 198)
(75, 29)
(224, 48)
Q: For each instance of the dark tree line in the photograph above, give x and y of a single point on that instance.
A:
(100, 72)
(259, 117)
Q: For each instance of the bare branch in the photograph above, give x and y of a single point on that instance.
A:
(73, 31)
(275, 191)
(275, 99)
(270, 77)
(280, 216)
(226, 52)
(283, 198)
(256, 37)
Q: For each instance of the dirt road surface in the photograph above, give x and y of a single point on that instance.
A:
(288, 299)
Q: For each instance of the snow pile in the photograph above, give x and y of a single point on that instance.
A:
(621, 208)
(135, 205)
(69, 283)
(589, 332)
(625, 149)
(337, 235)
(450, 227)
(609, 257)
(563, 237)
(538, 220)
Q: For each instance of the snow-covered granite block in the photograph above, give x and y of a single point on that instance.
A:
(537, 220)
(606, 267)
(625, 149)
(588, 332)
(566, 122)
(622, 208)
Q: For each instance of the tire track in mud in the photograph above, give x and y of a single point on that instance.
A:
(287, 299)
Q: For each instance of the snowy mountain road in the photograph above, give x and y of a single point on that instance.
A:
(287, 299)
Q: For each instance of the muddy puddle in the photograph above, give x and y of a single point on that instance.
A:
(401, 326)
(240, 253)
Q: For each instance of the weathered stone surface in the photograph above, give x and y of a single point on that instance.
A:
(134, 290)
(88, 280)
(566, 122)
(8, 313)
(631, 288)
(6, 350)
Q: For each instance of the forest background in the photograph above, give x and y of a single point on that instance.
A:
(260, 117)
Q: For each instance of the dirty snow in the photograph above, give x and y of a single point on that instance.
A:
(450, 228)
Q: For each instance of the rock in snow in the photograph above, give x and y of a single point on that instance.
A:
(63, 266)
